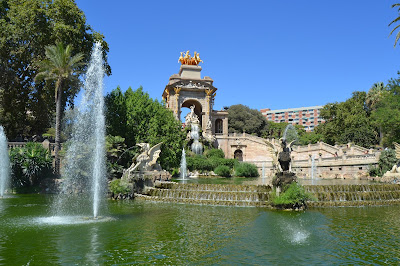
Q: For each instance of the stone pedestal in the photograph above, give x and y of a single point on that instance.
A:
(282, 179)
(141, 180)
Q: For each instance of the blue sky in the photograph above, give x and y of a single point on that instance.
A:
(263, 54)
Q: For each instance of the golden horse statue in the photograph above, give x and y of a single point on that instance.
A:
(189, 60)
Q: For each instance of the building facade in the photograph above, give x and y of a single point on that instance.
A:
(188, 89)
(308, 117)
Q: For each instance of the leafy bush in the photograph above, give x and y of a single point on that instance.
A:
(29, 165)
(117, 186)
(246, 170)
(201, 163)
(218, 153)
(175, 172)
(294, 195)
(386, 160)
(374, 171)
(222, 170)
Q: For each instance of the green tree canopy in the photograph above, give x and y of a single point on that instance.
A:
(26, 28)
(348, 122)
(386, 114)
(137, 118)
(242, 118)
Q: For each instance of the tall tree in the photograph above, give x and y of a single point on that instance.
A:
(374, 96)
(348, 121)
(26, 28)
(60, 66)
(242, 118)
(137, 118)
(386, 114)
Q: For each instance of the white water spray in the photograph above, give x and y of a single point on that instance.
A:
(313, 169)
(183, 165)
(85, 171)
(4, 163)
(196, 146)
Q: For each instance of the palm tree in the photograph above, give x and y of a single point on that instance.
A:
(59, 66)
(395, 28)
(374, 96)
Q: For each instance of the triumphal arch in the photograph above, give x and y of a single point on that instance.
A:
(189, 89)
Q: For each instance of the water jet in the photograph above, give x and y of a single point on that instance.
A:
(84, 171)
(4, 163)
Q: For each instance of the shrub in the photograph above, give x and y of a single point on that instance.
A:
(198, 163)
(117, 186)
(294, 195)
(214, 153)
(386, 160)
(246, 170)
(222, 170)
(201, 163)
(374, 171)
(29, 165)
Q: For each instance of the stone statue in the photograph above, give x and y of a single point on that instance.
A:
(396, 167)
(281, 159)
(209, 125)
(147, 160)
(191, 118)
(273, 150)
(282, 162)
(284, 156)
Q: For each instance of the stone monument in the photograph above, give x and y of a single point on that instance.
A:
(145, 170)
(282, 163)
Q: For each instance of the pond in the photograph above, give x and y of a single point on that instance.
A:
(165, 233)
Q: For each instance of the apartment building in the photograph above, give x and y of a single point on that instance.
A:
(309, 117)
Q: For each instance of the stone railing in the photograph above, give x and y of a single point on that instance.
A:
(46, 144)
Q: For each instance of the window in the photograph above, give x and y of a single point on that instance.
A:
(218, 126)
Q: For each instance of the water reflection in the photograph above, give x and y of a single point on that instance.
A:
(176, 234)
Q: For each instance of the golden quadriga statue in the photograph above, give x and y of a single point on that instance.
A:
(187, 59)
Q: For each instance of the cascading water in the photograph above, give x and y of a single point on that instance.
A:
(4, 163)
(196, 147)
(84, 171)
(183, 165)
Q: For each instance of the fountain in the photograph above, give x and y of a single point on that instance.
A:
(196, 147)
(183, 166)
(313, 169)
(290, 134)
(193, 121)
(84, 170)
(263, 174)
(4, 163)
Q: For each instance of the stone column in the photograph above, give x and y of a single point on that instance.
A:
(225, 126)
(177, 106)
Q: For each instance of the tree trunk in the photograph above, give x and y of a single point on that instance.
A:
(58, 125)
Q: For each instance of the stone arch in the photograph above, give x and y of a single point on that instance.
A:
(198, 110)
(219, 126)
(238, 154)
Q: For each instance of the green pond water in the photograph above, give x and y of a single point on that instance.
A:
(175, 234)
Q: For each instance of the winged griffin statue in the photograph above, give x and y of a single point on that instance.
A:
(280, 153)
(147, 160)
